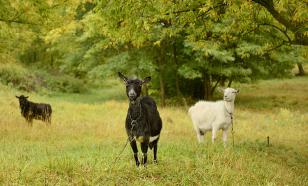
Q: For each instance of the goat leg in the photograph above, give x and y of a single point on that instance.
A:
(214, 134)
(135, 150)
(144, 148)
(48, 122)
(30, 122)
(155, 151)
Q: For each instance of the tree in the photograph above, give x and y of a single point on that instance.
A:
(292, 15)
(216, 41)
(189, 47)
(24, 24)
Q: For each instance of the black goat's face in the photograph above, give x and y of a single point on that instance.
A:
(22, 99)
(133, 86)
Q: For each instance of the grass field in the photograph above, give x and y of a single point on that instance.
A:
(87, 133)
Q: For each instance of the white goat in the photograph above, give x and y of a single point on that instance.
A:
(208, 115)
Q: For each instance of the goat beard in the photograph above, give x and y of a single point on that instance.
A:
(137, 100)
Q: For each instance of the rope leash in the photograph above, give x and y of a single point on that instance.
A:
(232, 131)
(129, 139)
(231, 116)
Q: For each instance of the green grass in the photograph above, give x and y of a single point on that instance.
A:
(275, 94)
(87, 133)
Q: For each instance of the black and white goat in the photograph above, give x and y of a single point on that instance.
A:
(143, 122)
(30, 110)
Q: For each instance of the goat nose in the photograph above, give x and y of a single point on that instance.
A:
(131, 92)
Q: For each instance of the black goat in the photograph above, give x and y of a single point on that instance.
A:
(30, 110)
(143, 122)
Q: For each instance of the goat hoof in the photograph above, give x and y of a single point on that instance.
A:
(155, 162)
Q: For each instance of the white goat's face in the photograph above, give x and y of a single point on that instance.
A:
(230, 93)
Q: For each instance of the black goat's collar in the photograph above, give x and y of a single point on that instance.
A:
(134, 104)
(137, 101)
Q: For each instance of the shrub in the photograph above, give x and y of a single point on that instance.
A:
(17, 76)
(66, 84)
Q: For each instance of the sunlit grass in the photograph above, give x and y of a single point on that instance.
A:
(86, 136)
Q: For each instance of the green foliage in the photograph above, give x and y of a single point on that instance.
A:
(15, 75)
(189, 73)
(66, 84)
(208, 42)
(33, 80)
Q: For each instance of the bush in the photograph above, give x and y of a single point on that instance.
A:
(17, 76)
(66, 84)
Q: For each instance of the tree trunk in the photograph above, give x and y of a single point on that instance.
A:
(216, 84)
(177, 85)
(160, 62)
(207, 86)
(162, 88)
(51, 60)
(230, 82)
(177, 82)
(301, 71)
(222, 81)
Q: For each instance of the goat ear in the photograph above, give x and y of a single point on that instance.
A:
(146, 80)
(220, 89)
(123, 77)
(238, 91)
(17, 97)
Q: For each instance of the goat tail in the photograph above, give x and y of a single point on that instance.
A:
(49, 110)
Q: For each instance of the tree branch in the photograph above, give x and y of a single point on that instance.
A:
(196, 8)
(275, 47)
(214, 87)
(168, 23)
(300, 37)
(279, 29)
(269, 6)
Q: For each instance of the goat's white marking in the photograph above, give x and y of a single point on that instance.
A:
(131, 92)
(153, 138)
(141, 138)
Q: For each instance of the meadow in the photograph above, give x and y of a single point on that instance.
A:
(87, 134)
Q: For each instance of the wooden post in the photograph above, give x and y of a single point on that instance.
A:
(268, 141)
